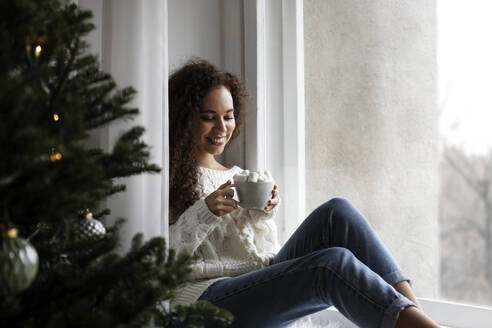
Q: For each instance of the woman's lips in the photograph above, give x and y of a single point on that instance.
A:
(217, 141)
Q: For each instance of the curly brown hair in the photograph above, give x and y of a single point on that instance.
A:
(188, 86)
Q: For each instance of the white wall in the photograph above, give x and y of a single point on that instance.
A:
(371, 121)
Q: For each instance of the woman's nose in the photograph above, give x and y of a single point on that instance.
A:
(220, 125)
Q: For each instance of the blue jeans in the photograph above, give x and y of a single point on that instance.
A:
(333, 258)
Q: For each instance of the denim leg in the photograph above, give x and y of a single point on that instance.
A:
(337, 223)
(277, 295)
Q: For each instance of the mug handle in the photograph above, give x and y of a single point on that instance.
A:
(233, 186)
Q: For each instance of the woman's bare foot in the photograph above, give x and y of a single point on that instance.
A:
(412, 317)
(403, 287)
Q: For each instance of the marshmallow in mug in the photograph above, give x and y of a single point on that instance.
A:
(255, 176)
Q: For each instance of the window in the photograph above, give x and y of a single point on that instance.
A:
(372, 84)
(465, 203)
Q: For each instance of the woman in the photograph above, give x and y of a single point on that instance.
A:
(333, 258)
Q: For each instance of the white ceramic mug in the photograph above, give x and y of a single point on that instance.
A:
(253, 195)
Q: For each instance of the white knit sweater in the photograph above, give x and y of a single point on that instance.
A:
(222, 246)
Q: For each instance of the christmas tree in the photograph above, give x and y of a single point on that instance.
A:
(59, 265)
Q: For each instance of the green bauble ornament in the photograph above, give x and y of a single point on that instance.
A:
(18, 263)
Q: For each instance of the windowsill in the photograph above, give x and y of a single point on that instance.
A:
(452, 314)
(445, 313)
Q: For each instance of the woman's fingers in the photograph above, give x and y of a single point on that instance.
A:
(272, 202)
(224, 203)
(230, 203)
(220, 202)
(274, 191)
(224, 185)
(275, 194)
(227, 193)
(226, 206)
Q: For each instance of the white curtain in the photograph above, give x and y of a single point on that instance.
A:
(131, 38)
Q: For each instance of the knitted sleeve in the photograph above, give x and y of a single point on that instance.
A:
(265, 236)
(192, 228)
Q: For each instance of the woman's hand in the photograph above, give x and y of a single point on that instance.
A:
(220, 202)
(274, 201)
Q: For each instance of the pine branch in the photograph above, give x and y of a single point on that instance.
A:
(66, 70)
(202, 311)
(129, 156)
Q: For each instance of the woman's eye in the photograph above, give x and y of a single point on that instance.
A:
(211, 118)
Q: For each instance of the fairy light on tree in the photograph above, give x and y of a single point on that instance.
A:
(37, 51)
(55, 155)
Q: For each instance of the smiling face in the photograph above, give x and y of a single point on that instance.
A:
(214, 125)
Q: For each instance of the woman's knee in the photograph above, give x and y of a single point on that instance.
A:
(334, 207)
(334, 257)
(325, 212)
(337, 203)
(341, 211)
